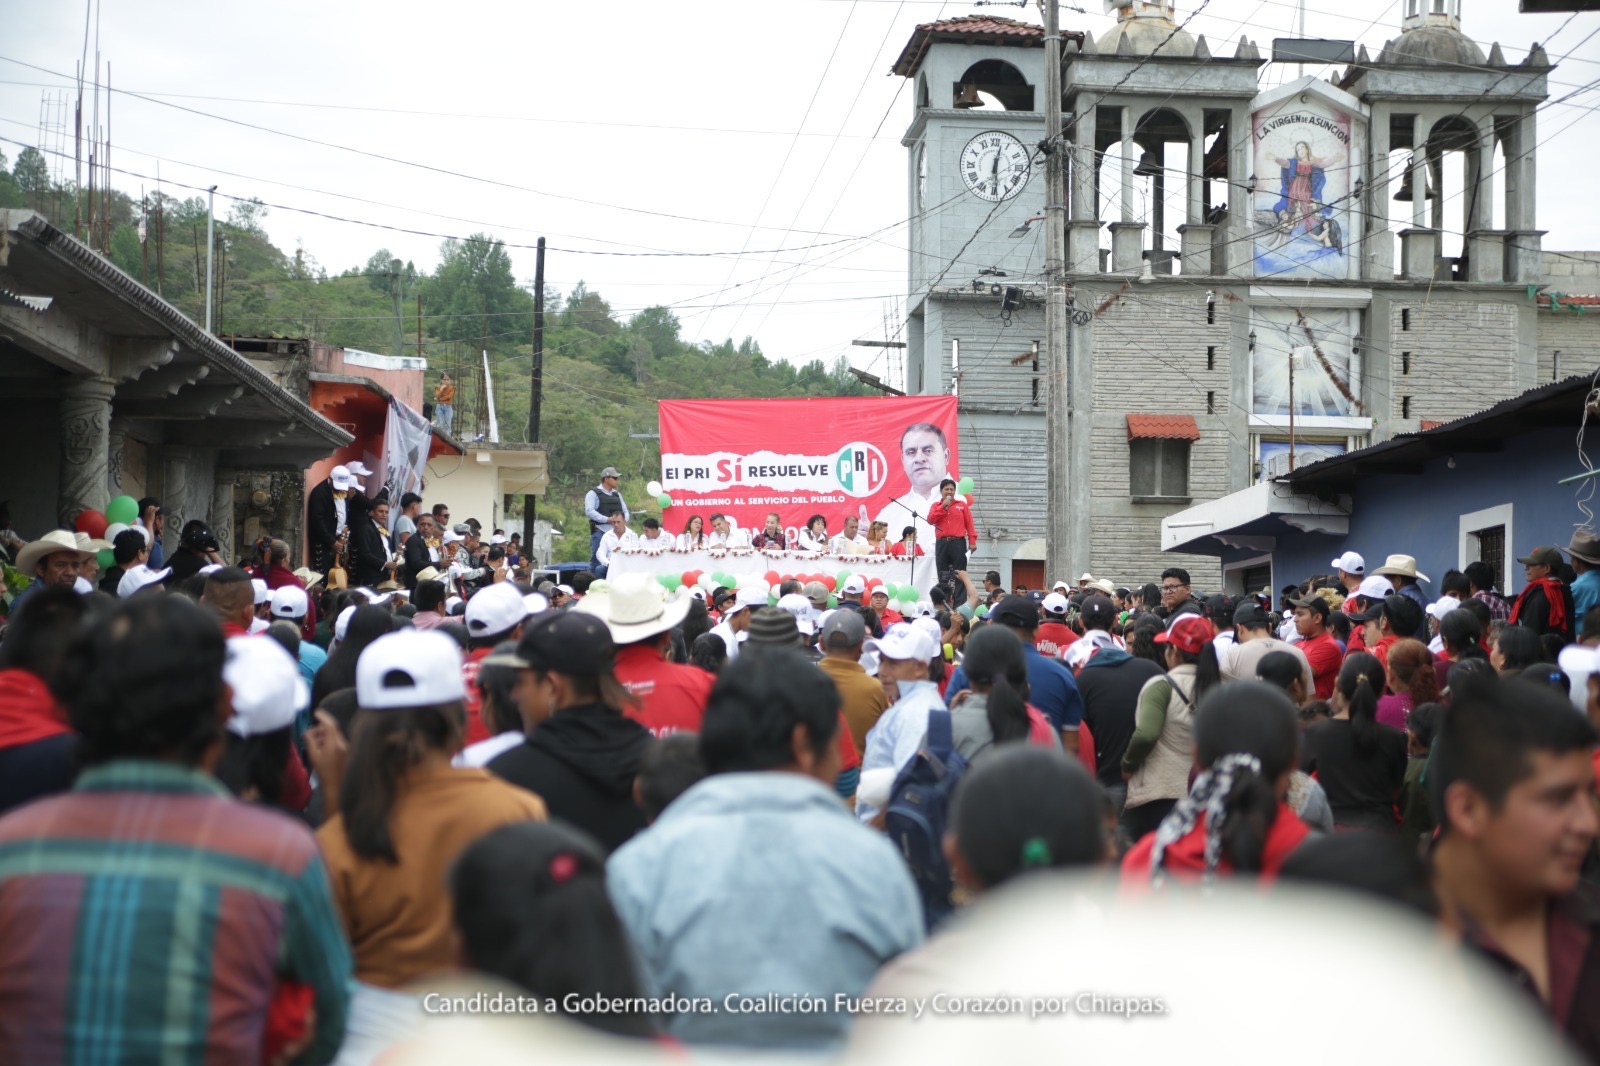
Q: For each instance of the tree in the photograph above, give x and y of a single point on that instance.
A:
(659, 328)
(588, 311)
(11, 194)
(477, 294)
(246, 215)
(32, 174)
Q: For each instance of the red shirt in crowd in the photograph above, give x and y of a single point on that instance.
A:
(1185, 858)
(954, 520)
(673, 698)
(898, 549)
(1322, 651)
(476, 729)
(1058, 633)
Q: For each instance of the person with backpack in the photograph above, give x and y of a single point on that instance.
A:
(903, 653)
(1234, 820)
(1160, 753)
(756, 884)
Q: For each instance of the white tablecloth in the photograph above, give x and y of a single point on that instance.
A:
(787, 564)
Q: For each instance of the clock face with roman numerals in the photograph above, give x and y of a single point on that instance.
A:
(995, 165)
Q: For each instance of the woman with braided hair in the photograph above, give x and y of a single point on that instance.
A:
(1360, 763)
(1234, 819)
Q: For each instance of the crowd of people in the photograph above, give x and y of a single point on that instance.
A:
(249, 814)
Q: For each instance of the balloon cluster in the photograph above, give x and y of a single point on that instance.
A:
(119, 515)
(661, 497)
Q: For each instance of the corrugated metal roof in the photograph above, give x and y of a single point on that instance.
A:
(1163, 427)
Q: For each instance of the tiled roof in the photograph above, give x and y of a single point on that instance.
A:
(1163, 427)
(1428, 423)
(973, 29)
(1567, 299)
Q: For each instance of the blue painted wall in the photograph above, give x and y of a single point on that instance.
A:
(1420, 514)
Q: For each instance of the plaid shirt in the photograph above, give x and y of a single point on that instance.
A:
(146, 916)
(1499, 608)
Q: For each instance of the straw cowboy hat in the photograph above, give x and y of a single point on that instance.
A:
(634, 608)
(57, 540)
(1401, 566)
(428, 573)
(1586, 546)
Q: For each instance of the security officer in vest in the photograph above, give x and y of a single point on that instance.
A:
(600, 503)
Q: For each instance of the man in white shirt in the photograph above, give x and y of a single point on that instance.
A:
(653, 539)
(925, 455)
(618, 536)
(850, 541)
(736, 618)
(723, 535)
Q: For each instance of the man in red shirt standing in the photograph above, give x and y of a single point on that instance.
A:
(274, 570)
(954, 533)
(1321, 650)
(672, 697)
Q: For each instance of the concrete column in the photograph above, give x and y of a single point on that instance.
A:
(1238, 253)
(1083, 228)
(118, 434)
(1197, 166)
(1377, 241)
(1420, 173)
(1127, 165)
(222, 510)
(85, 447)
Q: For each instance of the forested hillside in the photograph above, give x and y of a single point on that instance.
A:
(603, 371)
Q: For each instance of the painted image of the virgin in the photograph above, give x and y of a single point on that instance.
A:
(1300, 205)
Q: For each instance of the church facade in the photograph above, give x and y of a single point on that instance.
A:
(1258, 278)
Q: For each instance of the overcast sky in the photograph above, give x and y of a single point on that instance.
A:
(704, 130)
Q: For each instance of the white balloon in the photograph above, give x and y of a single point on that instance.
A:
(653, 488)
(708, 582)
(113, 529)
(747, 581)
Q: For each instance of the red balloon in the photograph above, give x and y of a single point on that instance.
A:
(691, 576)
(830, 582)
(773, 577)
(91, 523)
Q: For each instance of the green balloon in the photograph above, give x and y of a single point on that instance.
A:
(908, 593)
(982, 611)
(107, 558)
(672, 581)
(964, 486)
(841, 577)
(664, 500)
(772, 599)
(833, 601)
(124, 509)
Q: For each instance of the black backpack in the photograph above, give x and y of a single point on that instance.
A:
(918, 813)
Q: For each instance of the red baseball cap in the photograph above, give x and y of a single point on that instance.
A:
(1188, 633)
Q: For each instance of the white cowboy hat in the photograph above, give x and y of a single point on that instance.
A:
(1401, 566)
(57, 540)
(634, 608)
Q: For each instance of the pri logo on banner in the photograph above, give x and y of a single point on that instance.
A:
(861, 469)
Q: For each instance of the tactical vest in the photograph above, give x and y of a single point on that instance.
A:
(608, 504)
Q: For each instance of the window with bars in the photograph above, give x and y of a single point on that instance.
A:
(1492, 551)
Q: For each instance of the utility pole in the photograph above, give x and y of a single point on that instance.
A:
(535, 388)
(211, 243)
(399, 321)
(1059, 519)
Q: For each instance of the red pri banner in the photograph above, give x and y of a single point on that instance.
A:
(877, 458)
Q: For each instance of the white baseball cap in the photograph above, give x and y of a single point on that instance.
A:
(410, 668)
(289, 602)
(343, 480)
(1374, 587)
(495, 610)
(536, 603)
(341, 625)
(1442, 606)
(451, 537)
(209, 568)
(358, 468)
(1350, 563)
(451, 603)
(798, 605)
(1055, 603)
(499, 538)
(137, 578)
(854, 583)
(263, 594)
(903, 640)
(929, 628)
(1062, 585)
(268, 688)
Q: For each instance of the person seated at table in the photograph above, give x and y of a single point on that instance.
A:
(813, 538)
(693, 538)
(907, 544)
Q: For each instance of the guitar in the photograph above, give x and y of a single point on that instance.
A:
(338, 577)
